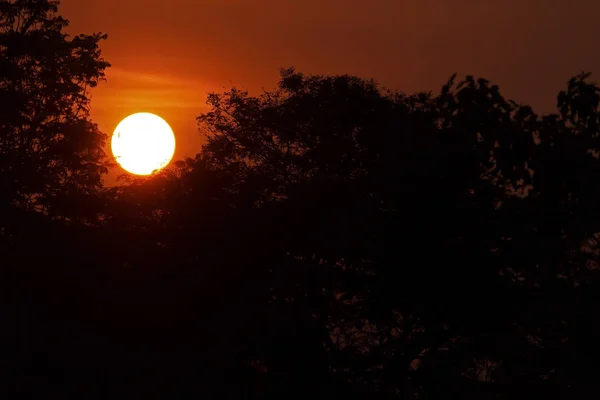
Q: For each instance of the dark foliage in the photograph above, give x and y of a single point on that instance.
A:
(51, 155)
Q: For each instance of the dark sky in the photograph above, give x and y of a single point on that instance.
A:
(166, 54)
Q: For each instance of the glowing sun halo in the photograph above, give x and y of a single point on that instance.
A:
(143, 143)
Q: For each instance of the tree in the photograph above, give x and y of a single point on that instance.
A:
(51, 153)
(352, 182)
(51, 164)
(413, 230)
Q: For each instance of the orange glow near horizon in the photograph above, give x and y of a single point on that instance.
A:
(143, 143)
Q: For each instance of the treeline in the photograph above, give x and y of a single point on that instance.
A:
(332, 239)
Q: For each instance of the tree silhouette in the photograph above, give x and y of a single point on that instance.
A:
(51, 165)
(51, 154)
(423, 225)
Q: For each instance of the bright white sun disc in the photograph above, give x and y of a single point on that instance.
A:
(143, 143)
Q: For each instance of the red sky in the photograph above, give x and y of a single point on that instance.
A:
(167, 54)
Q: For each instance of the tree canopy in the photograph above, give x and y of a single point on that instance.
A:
(51, 153)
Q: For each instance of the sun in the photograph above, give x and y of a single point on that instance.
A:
(143, 143)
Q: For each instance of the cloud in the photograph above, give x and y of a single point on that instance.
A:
(134, 89)
(144, 98)
(147, 78)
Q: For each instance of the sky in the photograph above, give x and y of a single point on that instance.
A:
(166, 55)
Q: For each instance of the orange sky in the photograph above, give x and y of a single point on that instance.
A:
(166, 54)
